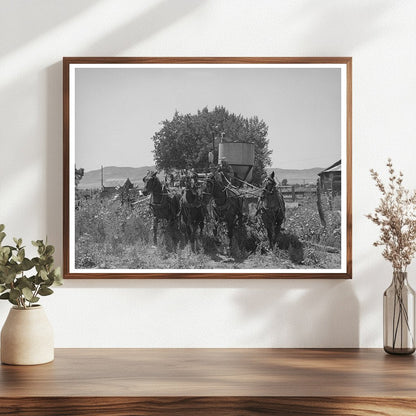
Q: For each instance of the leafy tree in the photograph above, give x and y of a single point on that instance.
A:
(184, 141)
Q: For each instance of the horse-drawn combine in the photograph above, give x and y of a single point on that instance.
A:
(221, 196)
(217, 201)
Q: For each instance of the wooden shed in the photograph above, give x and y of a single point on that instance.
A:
(330, 179)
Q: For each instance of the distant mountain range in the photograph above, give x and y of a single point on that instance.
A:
(116, 175)
(296, 176)
(113, 176)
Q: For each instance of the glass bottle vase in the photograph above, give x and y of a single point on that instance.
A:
(399, 316)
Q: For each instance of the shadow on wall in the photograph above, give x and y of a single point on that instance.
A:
(337, 17)
(155, 19)
(54, 146)
(301, 313)
(37, 17)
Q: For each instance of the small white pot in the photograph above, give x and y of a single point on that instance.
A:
(27, 337)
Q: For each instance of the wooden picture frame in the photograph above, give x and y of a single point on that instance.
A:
(97, 89)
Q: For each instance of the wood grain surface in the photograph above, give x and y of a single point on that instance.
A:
(208, 406)
(212, 381)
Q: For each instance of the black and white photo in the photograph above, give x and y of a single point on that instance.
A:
(207, 169)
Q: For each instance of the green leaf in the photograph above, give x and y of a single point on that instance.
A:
(4, 295)
(37, 243)
(13, 302)
(11, 247)
(43, 274)
(2, 288)
(49, 250)
(48, 260)
(38, 280)
(48, 282)
(58, 276)
(4, 255)
(26, 264)
(28, 294)
(2, 236)
(9, 277)
(21, 255)
(2, 227)
(5, 250)
(30, 297)
(45, 291)
(7, 296)
(24, 282)
(15, 294)
(56, 272)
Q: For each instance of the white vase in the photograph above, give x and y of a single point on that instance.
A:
(27, 337)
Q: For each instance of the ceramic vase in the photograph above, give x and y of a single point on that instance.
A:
(27, 337)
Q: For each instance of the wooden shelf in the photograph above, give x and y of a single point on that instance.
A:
(212, 382)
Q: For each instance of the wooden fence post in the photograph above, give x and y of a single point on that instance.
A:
(319, 202)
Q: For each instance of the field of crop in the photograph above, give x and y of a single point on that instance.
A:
(111, 236)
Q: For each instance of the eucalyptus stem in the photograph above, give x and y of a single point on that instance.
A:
(36, 291)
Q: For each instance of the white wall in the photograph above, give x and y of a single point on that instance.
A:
(380, 35)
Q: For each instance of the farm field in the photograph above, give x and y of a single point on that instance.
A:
(111, 236)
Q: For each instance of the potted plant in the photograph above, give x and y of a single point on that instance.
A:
(396, 217)
(27, 336)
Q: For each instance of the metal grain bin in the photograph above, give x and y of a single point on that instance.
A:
(240, 156)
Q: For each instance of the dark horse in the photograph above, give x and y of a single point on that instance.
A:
(227, 204)
(165, 206)
(271, 206)
(191, 211)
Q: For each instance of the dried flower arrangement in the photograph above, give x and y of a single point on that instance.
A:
(396, 217)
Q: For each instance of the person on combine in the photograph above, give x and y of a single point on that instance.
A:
(226, 169)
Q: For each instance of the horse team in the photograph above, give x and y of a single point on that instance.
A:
(215, 198)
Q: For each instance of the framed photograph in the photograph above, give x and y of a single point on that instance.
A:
(207, 168)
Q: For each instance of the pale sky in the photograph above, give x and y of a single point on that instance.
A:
(119, 110)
